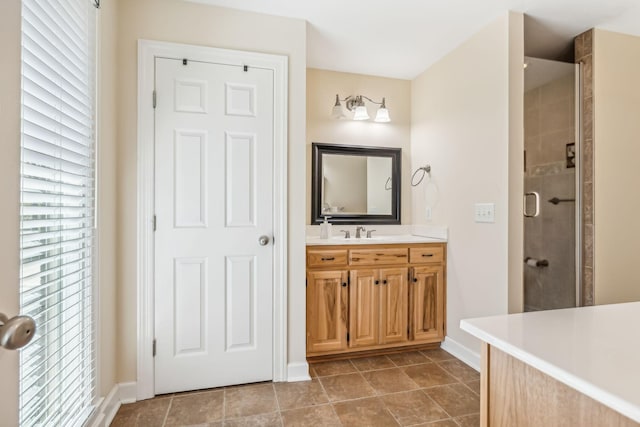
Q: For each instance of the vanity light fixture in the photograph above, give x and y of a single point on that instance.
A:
(356, 104)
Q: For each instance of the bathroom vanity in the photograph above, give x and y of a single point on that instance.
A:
(374, 294)
(575, 367)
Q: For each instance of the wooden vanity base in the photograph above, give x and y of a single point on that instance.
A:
(514, 393)
(367, 299)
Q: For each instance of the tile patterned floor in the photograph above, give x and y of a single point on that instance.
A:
(426, 388)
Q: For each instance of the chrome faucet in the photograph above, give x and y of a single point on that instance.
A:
(358, 230)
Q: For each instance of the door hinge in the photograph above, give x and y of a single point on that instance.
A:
(184, 61)
(349, 279)
(154, 347)
(306, 282)
(347, 336)
(155, 223)
(246, 68)
(154, 99)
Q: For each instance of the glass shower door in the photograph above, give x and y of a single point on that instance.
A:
(550, 186)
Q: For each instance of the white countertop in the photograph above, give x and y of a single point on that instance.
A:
(595, 350)
(380, 240)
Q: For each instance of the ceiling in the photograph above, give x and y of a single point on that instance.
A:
(402, 38)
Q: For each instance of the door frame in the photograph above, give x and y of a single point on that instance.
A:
(148, 50)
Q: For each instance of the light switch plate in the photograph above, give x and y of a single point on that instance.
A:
(485, 212)
(428, 213)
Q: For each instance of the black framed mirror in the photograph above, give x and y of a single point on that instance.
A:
(355, 184)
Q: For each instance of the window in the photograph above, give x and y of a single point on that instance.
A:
(58, 369)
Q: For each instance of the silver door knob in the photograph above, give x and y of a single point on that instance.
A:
(16, 332)
(263, 240)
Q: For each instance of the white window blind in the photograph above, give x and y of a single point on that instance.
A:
(58, 369)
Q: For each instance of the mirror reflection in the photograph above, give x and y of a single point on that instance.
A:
(356, 185)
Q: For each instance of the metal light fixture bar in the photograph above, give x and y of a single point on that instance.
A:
(356, 104)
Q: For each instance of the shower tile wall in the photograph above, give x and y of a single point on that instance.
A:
(549, 127)
(584, 55)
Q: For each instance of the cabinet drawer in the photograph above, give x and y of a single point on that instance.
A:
(378, 256)
(430, 254)
(322, 258)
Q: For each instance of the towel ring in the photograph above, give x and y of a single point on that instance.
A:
(425, 170)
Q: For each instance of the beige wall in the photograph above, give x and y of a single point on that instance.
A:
(184, 22)
(617, 200)
(9, 193)
(107, 172)
(460, 118)
(322, 87)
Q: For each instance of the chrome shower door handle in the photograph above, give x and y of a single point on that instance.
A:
(536, 197)
(263, 240)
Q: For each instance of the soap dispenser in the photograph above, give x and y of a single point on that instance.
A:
(325, 228)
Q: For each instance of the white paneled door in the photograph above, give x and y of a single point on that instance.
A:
(214, 208)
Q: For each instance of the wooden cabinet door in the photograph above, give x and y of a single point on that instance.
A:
(393, 305)
(327, 307)
(363, 308)
(426, 302)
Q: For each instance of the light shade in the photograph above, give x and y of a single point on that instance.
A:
(337, 112)
(361, 113)
(382, 116)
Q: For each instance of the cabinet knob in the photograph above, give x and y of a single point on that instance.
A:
(415, 280)
(344, 284)
(384, 282)
(377, 282)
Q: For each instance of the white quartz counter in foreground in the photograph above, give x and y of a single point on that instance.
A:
(375, 240)
(595, 350)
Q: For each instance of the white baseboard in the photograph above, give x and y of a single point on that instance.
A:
(109, 405)
(463, 353)
(298, 372)
(127, 392)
